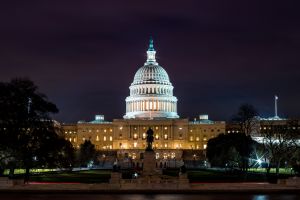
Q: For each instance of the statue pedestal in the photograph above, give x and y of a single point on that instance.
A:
(115, 180)
(149, 163)
(183, 182)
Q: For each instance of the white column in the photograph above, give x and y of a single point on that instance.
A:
(139, 105)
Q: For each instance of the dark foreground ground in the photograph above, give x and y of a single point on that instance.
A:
(150, 196)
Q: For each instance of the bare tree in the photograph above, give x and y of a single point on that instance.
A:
(246, 118)
(280, 139)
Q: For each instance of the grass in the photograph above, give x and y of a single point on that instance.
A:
(233, 176)
(203, 175)
(91, 176)
(52, 176)
(22, 171)
(287, 171)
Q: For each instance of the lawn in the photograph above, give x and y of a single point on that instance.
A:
(90, 176)
(51, 176)
(195, 176)
(207, 176)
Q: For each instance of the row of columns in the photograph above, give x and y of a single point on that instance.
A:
(152, 90)
(153, 105)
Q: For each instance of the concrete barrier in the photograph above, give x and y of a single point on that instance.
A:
(293, 181)
(5, 182)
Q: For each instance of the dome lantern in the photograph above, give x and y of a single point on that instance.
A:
(151, 53)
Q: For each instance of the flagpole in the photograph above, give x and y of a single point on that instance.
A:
(276, 98)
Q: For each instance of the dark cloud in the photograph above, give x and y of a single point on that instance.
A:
(83, 54)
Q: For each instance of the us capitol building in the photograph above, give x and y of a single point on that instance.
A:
(151, 103)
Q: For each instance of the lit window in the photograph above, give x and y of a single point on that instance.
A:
(110, 146)
(157, 155)
(66, 131)
(90, 130)
(74, 139)
(166, 128)
(70, 139)
(204, 139)
(83, 138)
(97, 130)
(121, 128)
(104, 130)
(191, 138)
(144, 135)
(135, 144)
(97, 138)
(166, 136)
(133, 156)
(197, 138)
(156, 137)
(156, 128)
(197, 146)
(110, 130)
(204, 146)
(166, 145)
(191, 130)
(135, 136)
(110, 138)
(180, 128)
(173, 155)
(104, 138)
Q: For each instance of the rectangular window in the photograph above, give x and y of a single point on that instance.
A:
(191, 138)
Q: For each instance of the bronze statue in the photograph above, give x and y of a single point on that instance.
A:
(150, 139)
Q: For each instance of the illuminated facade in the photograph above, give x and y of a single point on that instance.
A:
(151, 92)
(151, 104)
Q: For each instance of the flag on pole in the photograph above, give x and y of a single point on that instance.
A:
(276, 97)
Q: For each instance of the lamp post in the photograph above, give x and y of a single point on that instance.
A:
(276, 99)
(29, 105)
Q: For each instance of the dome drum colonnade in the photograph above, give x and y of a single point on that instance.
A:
(151, 92)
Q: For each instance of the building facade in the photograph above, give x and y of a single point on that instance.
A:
(151, 104)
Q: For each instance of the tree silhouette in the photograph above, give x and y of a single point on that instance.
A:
(230, 150)
(87, 153)
(28, 135)
(245, 117)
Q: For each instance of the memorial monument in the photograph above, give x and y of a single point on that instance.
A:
(149, 155)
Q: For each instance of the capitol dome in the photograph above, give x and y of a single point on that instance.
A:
(151, 74)
(151, 92)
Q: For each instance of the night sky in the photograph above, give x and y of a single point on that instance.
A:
(219, 54)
